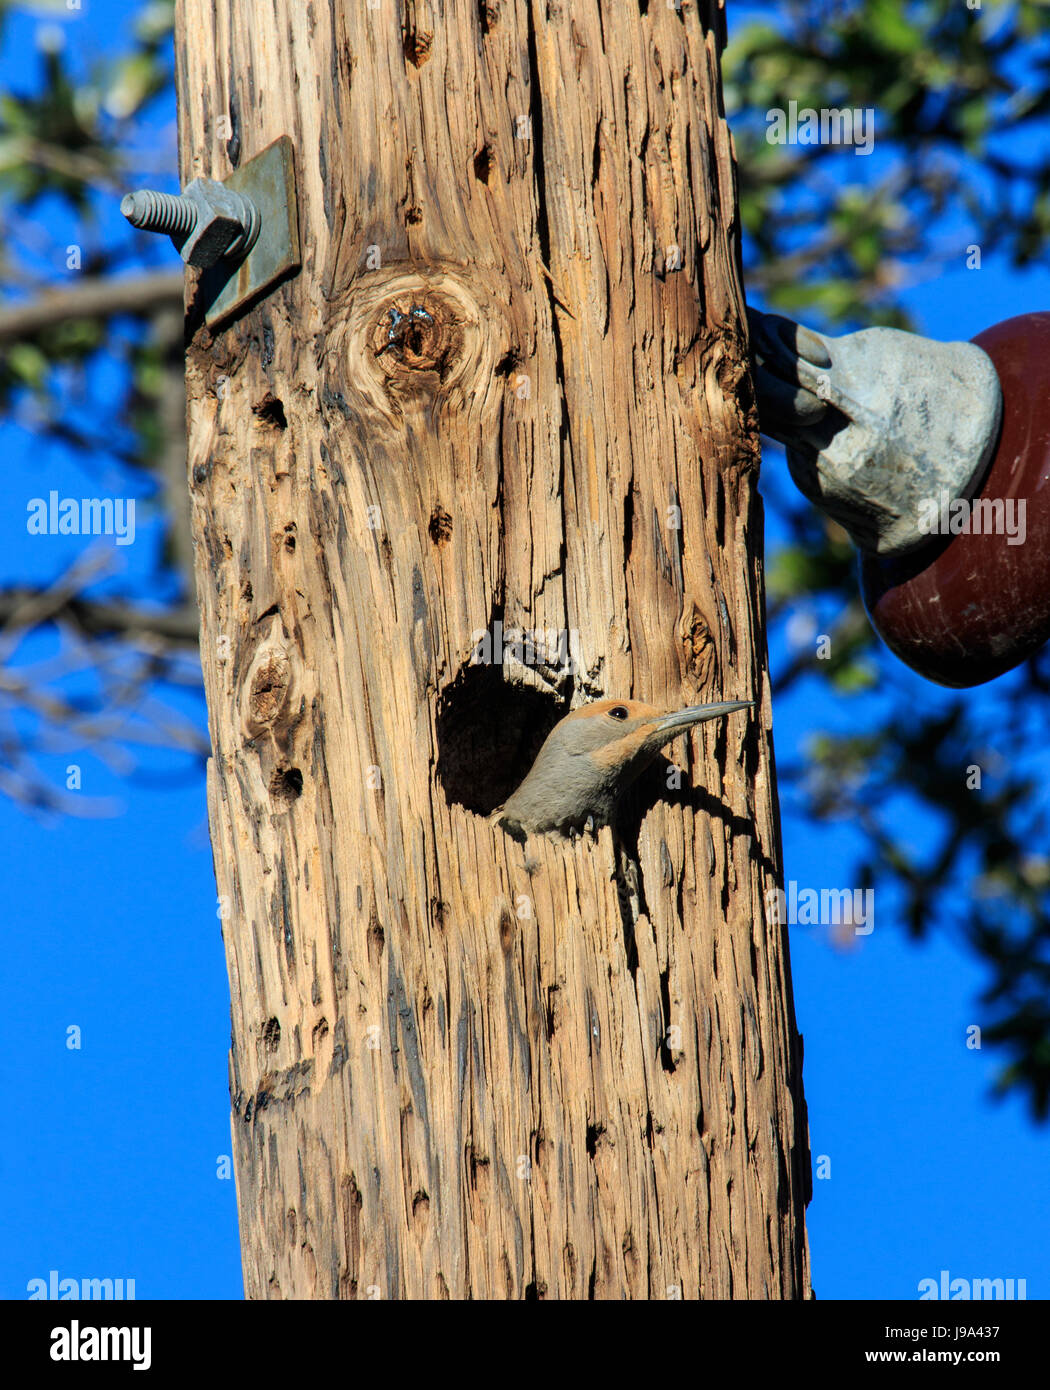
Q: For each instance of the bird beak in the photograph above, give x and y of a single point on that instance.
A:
(668, 725)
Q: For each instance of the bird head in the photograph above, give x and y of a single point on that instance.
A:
(592, 755)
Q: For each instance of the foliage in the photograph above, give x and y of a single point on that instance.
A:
(954, 91)
(74, 135)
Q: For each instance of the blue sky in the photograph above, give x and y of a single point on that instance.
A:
(110, 1159)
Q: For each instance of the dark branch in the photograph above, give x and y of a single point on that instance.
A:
(96, 298)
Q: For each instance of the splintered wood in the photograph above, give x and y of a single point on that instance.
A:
(492, 453)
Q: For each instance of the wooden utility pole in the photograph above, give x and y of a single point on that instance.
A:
(508, 387)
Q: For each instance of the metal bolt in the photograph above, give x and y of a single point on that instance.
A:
(206, 222)
(159, 212)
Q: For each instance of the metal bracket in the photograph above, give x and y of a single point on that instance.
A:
(269, 181)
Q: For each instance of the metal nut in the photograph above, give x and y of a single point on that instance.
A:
(226, 224)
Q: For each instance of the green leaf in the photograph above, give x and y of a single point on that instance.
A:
(134, 80)
(28, 364)
(891, 29)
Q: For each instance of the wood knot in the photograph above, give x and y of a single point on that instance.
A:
(698, 644)
(413, 341)
(417, 335)
(270, 689)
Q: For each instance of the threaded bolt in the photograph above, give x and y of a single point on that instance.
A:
(159, 212)
(206, 222)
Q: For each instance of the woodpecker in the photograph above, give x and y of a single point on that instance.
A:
(590, 758)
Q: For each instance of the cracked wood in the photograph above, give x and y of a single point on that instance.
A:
(509, 385)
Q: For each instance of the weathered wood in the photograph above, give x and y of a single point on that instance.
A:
(460, 1067)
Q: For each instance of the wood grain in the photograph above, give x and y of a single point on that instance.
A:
(461, 1067)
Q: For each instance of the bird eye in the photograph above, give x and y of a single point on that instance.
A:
(618, 712)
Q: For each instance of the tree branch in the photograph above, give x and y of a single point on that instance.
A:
(178, 626)
(92, 298)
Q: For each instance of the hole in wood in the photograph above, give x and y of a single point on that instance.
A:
(666, 1055)
(440, 526)
(420, 334)
(506, 928)
(286, 786)
(417, 47)
(376, 941)
(478, 1165)
(594, 1133)
(270, 411)
(488, 735)
(483, 164)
